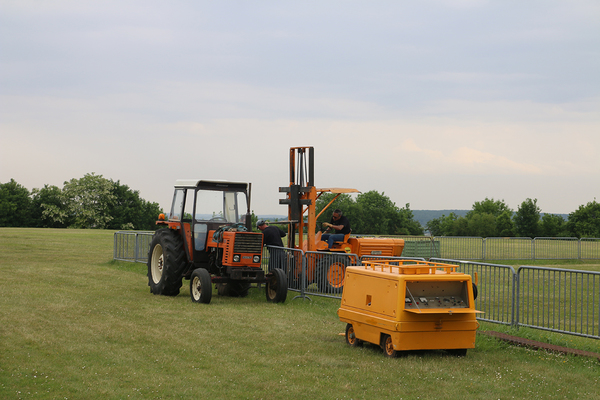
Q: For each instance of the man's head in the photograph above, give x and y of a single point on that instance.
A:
(337, 213)
(261, 224)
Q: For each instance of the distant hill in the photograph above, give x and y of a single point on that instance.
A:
(421, 216)
(424, 216)
(271, 217)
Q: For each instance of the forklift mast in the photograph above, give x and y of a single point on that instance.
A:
(300, 196)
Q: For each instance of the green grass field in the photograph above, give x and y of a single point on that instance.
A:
(76, 325)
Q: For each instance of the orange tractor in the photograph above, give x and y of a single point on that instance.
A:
(326, 267)
(207, 240)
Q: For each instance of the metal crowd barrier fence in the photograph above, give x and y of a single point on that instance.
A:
(498, 248)
(132, 245)
(461, 248)
(325, 271)
(496, 289)
(559, 300)
(421, 246)
(555, 248)
(589, 249)
(517, 248)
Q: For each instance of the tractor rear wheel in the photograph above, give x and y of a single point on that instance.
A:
(166, 262)
(276, 289)
(200, 286)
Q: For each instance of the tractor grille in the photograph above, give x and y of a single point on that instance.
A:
(248, 243)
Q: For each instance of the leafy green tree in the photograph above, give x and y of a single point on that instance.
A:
(15, 205)
(408, 225)
(527, 219)
(482, 224)
(434, 226)
(489, 206)
(49, 208)
(585, 221)
(460, 227)
(378, 215)
(89, 201)
(130, 211)
(446, 225)
(553, 225)
(505, 226)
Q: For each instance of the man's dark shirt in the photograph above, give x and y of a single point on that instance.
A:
(342, 221)
(272, 236)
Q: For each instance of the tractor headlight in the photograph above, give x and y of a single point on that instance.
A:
(256, 259)
(236, 258)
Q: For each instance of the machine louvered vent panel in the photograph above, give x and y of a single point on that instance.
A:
(248, 243)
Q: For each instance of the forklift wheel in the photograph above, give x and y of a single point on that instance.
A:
(351, 338)
(200, 286)
(276, 289)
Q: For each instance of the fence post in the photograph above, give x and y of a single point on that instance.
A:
(484, 247)
(533, 248)
(515, 300)
(137, 247)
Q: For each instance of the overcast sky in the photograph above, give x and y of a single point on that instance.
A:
(435, 103)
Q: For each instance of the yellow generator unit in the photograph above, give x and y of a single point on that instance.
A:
(409, 305)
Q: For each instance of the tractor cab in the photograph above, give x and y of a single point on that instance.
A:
(200, 207)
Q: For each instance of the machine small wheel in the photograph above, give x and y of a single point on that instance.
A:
(388, 346)
(351, 338)
(201, 286)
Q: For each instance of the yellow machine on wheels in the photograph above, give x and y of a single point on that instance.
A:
(409, 305)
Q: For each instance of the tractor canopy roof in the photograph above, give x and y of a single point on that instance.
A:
(337, 190)
(214, 184)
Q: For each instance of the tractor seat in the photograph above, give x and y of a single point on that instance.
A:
(346, 237)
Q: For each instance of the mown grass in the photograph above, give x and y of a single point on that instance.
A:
(75, 324)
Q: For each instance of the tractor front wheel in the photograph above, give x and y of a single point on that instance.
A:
(200, 286)
(276, 289)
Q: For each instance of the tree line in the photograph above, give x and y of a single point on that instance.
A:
(97, 202)
(88, 202)
(494, 218)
